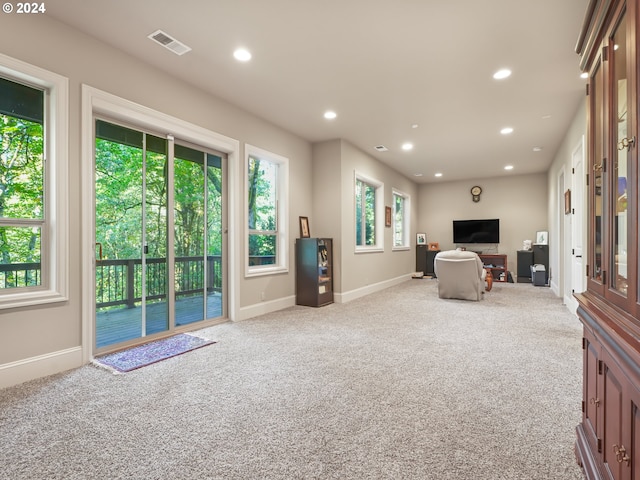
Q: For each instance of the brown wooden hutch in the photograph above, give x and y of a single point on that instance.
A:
(608, 438)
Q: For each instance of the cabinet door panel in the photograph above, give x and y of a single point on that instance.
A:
(634, 447)
(612, 419)
(590, 391)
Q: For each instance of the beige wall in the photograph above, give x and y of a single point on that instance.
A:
(335, 164)
(325, 218)
(519, 201)
(559, 223)
(27, 333)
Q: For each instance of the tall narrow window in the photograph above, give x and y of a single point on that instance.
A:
(368, 214)
(401, 205)
(21, 184)
(267, 179)
(32, 191)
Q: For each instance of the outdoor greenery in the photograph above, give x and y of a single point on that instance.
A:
(365, 213)
(21, 198)
(262, 213)
(132, 192)
(119, 197)
(398, 220)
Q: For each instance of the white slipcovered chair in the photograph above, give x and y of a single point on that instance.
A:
(460, 274)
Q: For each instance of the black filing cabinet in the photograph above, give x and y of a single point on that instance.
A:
(538, 255)
(425, 259)
(421, 258)
(541, 257)
(525, 260)
(431, 258)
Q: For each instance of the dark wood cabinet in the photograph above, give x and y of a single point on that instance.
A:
(497, 264)
(608, 437)
(314, 271)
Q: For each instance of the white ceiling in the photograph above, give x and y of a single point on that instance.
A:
(382, 65)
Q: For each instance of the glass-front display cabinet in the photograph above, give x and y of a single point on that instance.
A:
(608, 437)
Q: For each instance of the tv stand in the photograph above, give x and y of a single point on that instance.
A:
(496, 264)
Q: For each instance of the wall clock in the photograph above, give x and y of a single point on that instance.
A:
(475, 193)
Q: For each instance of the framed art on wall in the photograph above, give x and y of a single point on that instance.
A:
(542, 238)
(567, 202)
(304, 227)
(421, 238)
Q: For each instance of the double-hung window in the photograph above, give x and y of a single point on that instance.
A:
(267, 206)
(400, 221)
(33, 191)
(369, 214)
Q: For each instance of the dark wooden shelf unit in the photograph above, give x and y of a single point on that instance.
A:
(314, 271)
(497, 263)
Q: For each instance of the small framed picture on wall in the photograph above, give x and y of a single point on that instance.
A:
(304, 227)
(387, 216)
(421, 238)
(542, 238)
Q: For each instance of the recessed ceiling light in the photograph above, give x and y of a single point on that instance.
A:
(584, 75)
(438, 174)
(546, 117)
(415, 125)
(502, 74)
(330, 115)
(537, 149)
(418, 174)
(506, 131)
(509, 167)
(242, 55)
(407, 146)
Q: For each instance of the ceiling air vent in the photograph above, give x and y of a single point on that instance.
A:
(169, 42)
(381, 148)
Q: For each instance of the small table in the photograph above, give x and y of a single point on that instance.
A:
(489, 279)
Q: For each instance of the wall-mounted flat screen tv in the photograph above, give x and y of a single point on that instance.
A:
(476, 231)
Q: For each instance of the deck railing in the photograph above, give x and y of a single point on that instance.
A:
(15, 275)
(119, 282)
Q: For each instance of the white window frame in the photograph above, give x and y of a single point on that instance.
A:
(55, 237)
(282, 227)
(406, 220)
(379, 214)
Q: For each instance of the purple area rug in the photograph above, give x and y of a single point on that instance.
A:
(152, 352)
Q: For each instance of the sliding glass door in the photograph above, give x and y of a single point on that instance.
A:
(198, 219)
(152, 278)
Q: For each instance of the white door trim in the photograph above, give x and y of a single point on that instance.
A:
(96, 101)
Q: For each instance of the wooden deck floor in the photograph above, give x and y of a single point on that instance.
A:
(122, 324)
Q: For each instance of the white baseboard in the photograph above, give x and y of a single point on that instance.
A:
(41, 366)
(285, 302)
(266, 307)
(369, 289)
(571, 303)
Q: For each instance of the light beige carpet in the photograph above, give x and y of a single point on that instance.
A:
(396, 385)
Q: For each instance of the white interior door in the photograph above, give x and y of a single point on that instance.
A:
(578, 274)
(577, 219)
